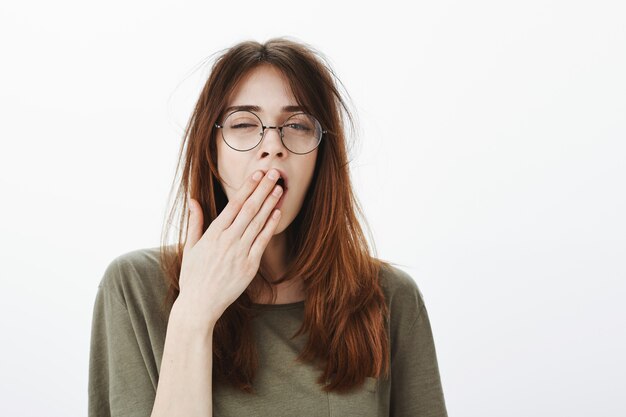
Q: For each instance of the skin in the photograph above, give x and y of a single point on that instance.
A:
(266, 87)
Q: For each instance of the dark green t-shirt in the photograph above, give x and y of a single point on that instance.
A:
(128, 336)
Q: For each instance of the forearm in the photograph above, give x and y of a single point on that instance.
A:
(185, 378)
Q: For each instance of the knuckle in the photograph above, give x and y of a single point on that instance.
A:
(236, 203)
(256, 224)
(247, 269)
(262, 242)
(262, 235)
(209, 234)
(225, 240)
(260, 238)
(249, 207)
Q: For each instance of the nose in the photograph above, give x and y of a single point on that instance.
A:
(271, 141)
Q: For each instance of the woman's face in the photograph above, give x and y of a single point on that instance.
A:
(267, 88)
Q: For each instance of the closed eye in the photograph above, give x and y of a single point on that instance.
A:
(297, 126)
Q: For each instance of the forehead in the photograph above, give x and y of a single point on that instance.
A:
(265, 87)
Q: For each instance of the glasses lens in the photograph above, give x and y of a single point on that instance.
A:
(301, 133)
(242, 130)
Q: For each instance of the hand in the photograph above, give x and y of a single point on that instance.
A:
(219, 265)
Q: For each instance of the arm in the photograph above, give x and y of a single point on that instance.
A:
(236, 240)
(120, 384)
(185, 381)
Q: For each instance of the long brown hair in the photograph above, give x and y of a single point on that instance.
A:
(345, 313)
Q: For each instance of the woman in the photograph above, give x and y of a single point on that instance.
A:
(271, 304)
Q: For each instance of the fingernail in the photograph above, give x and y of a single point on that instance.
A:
(273, 174)
(257, 176)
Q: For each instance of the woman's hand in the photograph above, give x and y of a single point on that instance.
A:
(219, 265)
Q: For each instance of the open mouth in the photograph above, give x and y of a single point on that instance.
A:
(281, 182)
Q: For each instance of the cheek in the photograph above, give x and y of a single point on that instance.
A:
(307, 166)
(224, 167)
(231, 167)
(311, 165)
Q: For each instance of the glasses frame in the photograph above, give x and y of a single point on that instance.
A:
(279, 128)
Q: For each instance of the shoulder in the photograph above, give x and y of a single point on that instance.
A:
(135, 276)
(403, 295)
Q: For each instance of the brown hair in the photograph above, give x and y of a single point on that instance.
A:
(345, 310)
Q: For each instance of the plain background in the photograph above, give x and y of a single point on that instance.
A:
(490, 165)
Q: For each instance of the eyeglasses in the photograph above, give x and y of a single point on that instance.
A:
(243, 130)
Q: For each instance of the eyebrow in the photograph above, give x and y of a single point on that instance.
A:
(285, 109)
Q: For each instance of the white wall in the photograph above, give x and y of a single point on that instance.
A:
(491, 166)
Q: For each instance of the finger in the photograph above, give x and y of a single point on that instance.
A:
(252, 205)
(261, 241)
(260, 219)
(228, 214)
(194, 224)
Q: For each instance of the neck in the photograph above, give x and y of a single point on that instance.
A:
(275, 259)
(275, 255)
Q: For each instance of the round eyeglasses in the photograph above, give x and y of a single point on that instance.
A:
(243, 130)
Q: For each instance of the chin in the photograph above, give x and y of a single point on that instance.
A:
(282, 226)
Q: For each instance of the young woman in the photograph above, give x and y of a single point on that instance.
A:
(271, 303)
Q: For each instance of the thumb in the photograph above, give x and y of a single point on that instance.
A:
(194, 225)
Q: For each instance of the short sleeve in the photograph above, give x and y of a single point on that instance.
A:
(119, 383)
(416, 389)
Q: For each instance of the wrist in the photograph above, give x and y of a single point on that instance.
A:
(187, 323)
